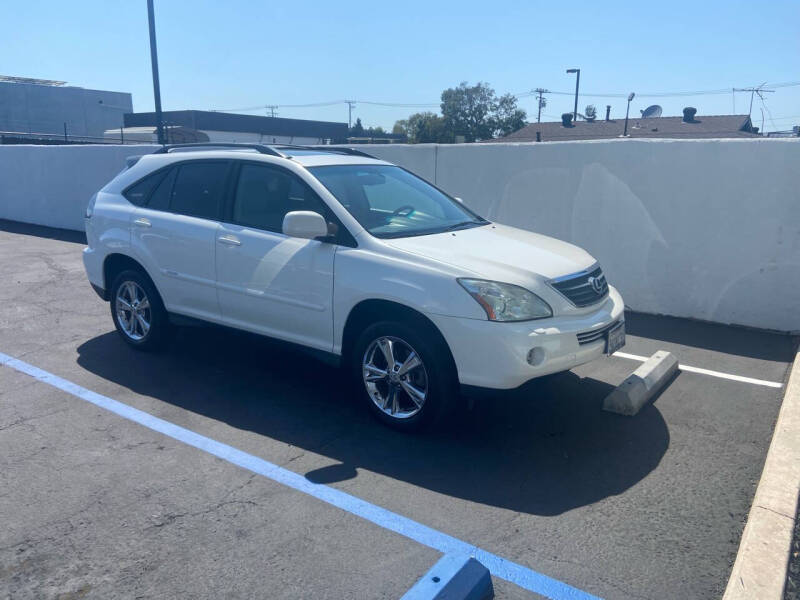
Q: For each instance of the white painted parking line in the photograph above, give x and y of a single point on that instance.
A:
(498, 566)
(682, 367)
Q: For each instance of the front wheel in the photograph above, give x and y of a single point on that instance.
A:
(403, 375)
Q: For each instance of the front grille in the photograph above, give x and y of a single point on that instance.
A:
(578, 288)
(587, 337)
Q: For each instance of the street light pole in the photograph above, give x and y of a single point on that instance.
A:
(630, 97)
(577, 85)
(154, 62)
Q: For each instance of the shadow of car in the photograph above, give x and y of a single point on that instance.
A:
(544, 449)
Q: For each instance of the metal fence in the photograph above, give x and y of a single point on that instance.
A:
(22, 137)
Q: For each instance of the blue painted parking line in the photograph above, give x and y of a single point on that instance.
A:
(453, 577)
(498, 566)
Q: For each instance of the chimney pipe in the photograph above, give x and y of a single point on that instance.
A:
(688, 114)
(566, 119)
(608, 112)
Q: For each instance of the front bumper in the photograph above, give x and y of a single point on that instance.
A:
(494, 355)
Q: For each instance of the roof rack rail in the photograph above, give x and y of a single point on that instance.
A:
(326, 148)
(260, 148)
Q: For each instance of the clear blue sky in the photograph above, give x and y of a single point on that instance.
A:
(241, 53)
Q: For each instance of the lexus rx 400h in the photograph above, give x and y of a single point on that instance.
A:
(353, 257)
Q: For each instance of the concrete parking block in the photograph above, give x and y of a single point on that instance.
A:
(453, 577)
(630, 396)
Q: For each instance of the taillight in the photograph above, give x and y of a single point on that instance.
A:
(90, 207)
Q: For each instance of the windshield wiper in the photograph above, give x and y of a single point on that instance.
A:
(462, 224)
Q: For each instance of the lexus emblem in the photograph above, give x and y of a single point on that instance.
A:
(597, 284)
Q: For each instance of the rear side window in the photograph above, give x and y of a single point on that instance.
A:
(199, 188)
(139, 192)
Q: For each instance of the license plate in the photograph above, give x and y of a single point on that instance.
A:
(615, 338)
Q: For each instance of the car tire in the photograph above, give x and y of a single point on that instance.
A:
(391, 398)
(137, 311)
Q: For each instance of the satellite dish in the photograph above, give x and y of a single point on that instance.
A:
(651, 111)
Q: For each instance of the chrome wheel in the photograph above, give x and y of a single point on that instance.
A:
(395, 377)
(134, 314)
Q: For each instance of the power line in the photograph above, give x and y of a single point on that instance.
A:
(401, 104)
(518, 96)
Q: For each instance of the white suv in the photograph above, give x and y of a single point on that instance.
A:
(352, 257)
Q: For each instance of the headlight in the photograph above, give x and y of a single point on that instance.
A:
(506, 302)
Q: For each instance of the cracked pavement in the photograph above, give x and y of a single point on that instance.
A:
(95, 506)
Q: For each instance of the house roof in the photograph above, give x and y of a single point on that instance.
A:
(219, 121)
(713, 126)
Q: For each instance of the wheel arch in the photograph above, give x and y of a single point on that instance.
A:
(371, 311)
(115, 263)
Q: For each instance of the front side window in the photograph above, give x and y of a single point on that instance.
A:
(199, 188)
(264, 195)
(391, 202)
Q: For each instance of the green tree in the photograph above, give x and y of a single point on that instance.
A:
(357, 130)
(507, 118)
(424, 128)
(475, 112)
(374, 131)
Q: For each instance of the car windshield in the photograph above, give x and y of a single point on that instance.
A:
(391, 202)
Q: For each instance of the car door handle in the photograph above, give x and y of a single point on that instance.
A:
(229, 240)
(142, 222)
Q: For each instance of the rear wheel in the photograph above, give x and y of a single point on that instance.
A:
(403, 375)
(137, 311)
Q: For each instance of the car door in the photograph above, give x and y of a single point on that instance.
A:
(174, 234)
(268, 282)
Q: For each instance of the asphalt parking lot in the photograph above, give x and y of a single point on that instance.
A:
(96, 506)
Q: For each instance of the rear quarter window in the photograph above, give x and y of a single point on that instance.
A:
(159, 199)
(140, 191)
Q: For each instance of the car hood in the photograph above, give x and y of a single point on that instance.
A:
(499, 252)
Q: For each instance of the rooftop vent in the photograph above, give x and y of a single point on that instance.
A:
(566, 119)
(688, 114)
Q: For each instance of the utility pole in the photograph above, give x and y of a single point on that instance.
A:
(350, 105)
(753, 91)
(154, 62)
(542, 103)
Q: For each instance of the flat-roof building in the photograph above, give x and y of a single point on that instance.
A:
(47, 108)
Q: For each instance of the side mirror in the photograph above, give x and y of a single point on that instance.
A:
(304, 224)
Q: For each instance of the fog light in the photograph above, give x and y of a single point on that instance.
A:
(536, 356)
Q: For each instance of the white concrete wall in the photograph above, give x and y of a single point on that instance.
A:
(51, 185)
(708, 229)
